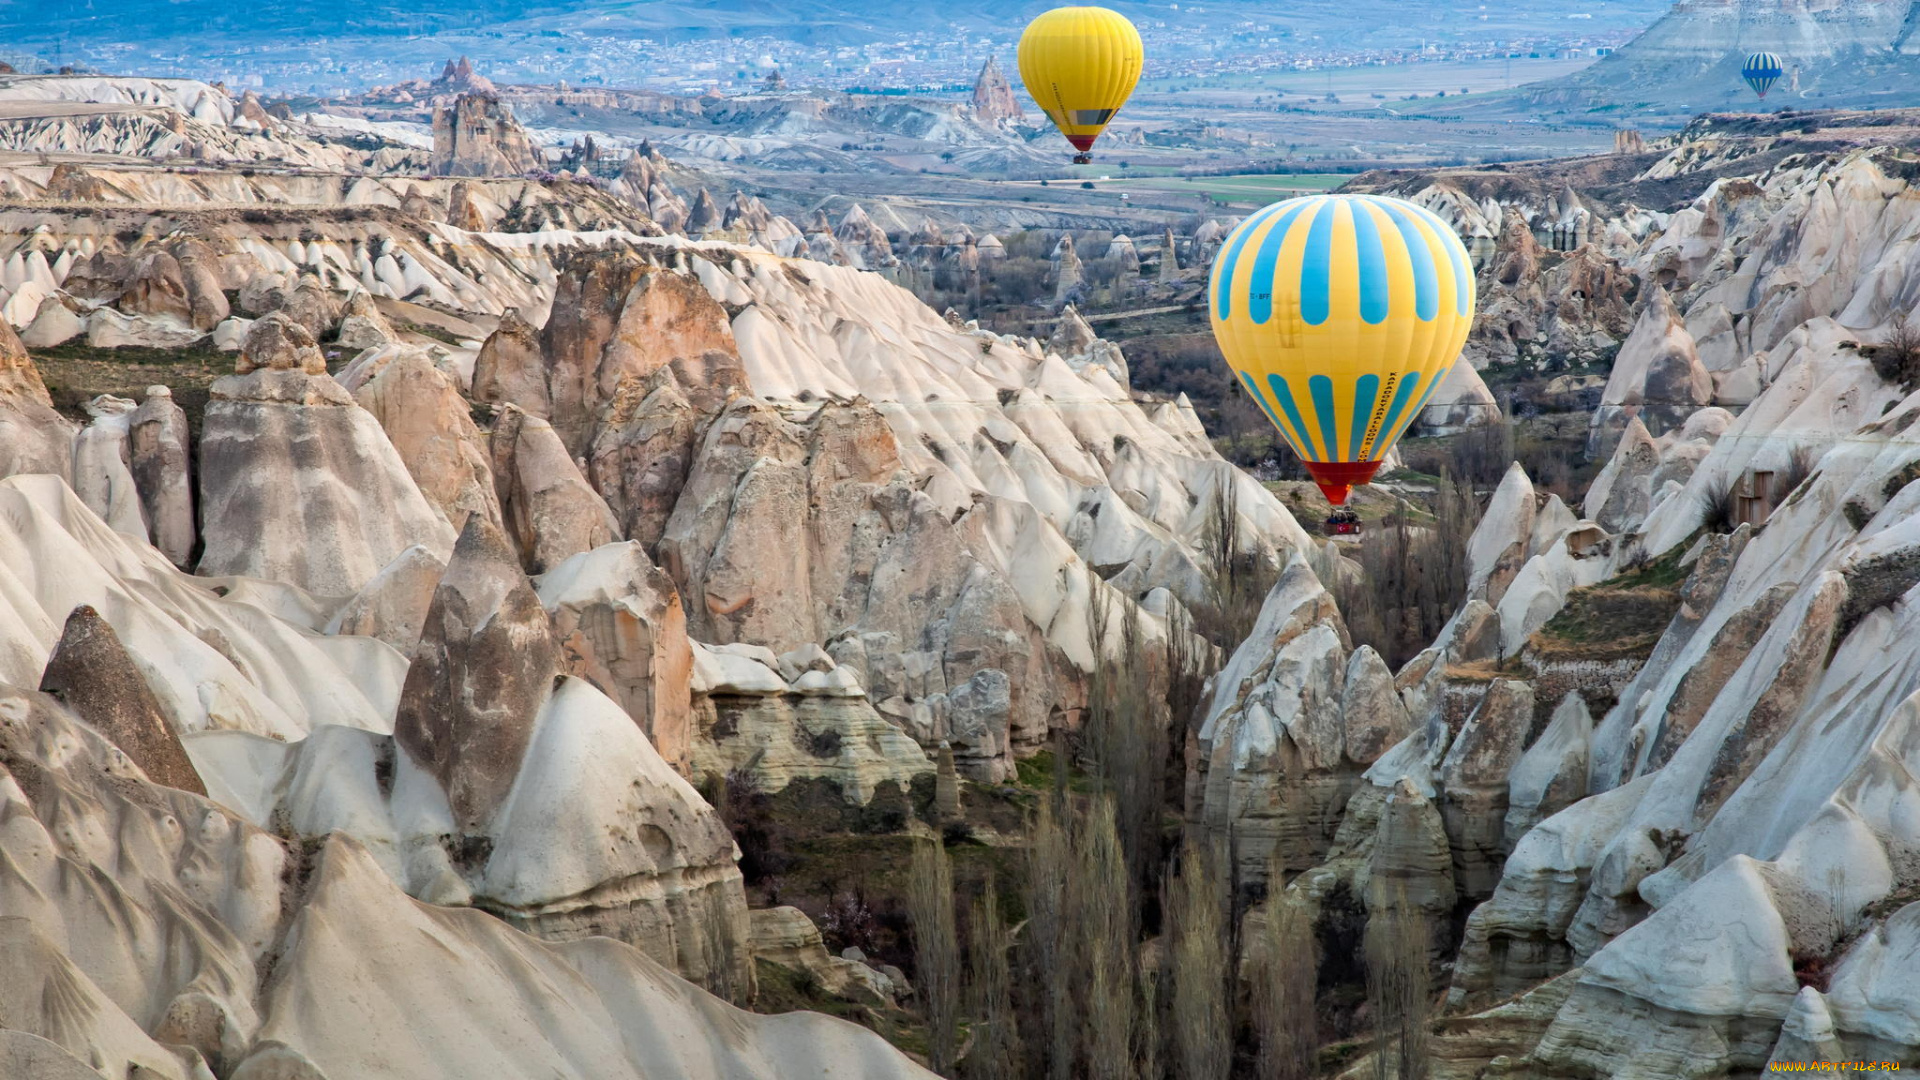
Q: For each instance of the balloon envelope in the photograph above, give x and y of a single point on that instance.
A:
(1079, 64)
(1341, 314)
(1761, 71)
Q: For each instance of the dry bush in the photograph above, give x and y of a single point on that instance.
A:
(1897, 359)
(1413, 577)
(936, 950)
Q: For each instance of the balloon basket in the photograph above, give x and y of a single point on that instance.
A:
(1083, 159)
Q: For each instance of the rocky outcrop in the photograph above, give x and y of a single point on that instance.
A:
(393, 606)
(871, 542)
(550, 511)
(1276, 772)
(509, 368)
(33, 438)
(478, 136)
(428, 421)
(514, 749)
(1552, 774)
(311, 305)
(1474, 777)
(362, 326)
(785, 936)
(157, 287)
(618, 624)
(458, 77)
(214, 899)
(100, 474)
(212, 893)
(297, 482)
(993, 99)
(1461, 401)
(618, 323)
(1657, 378)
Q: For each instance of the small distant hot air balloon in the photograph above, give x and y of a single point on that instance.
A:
(1761, 71)
(1079, 64)
(1340, 314)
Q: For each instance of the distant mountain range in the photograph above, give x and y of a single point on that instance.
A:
(1836, 53)
(292, 22)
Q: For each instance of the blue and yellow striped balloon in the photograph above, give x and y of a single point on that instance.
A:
(1761, 71)
(1340, 314)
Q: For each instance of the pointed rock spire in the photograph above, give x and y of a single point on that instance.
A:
(485, 663)
(92, 674)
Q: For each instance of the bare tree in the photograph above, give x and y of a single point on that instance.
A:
(936, 951)
(1238, 581)
(1202, 1028)
(1283, 997)
(1398, 986)
(720, 946)
(1103, 923)
(1413, 577)
(1050, 977)
(996, 1044)
(1127, 740)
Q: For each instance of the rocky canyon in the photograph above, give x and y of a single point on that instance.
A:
(459, 618)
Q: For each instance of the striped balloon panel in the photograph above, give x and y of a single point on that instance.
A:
(1761, 71)
(1341, 314)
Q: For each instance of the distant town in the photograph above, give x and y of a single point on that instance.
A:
(922, 63)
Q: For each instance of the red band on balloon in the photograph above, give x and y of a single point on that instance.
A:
(1337, 478)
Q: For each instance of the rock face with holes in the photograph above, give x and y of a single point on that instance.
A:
(770, 721)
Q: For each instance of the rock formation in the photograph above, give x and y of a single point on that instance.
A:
(993, 98)
(100, 474)
(618, 624)
(458, 77)
(91, 674)
(478, 136)
(215, 899)
(426, 419)
(297, 482)
(1657, 378)
(33, 438)
(162, 464)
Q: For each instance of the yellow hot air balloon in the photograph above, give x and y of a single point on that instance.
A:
(1079, 64)
(1340, 314)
